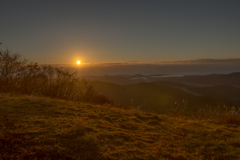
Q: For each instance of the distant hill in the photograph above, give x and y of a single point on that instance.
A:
(208, 80)
(194, 80)
(224, 90)
(162, 95)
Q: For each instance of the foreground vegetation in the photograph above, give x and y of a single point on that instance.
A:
(43, 128)
(17, 75)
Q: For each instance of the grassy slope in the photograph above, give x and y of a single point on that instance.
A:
(33, 127)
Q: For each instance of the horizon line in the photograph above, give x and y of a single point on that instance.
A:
(173, 62)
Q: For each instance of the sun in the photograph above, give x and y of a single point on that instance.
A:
(78, 62)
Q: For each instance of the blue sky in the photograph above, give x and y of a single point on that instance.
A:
(62, 32)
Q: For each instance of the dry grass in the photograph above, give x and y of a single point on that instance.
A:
(44, 128)
(224, 114)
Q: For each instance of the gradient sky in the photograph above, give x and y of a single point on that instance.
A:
(101, 31)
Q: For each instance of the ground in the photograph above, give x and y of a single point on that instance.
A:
(43, 128)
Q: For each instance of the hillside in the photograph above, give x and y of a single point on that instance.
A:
(209, 80)
(161, 95)
(37, 127)
(224, 90)
(194, 80)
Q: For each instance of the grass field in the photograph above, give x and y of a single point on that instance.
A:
(44, 128)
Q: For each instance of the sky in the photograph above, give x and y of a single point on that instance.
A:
(123, 31)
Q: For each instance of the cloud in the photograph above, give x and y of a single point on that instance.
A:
(176, 62)
(233, 61)
(211, 61)
(181, 67)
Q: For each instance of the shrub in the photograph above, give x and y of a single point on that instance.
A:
(17, 75)
(10, 66)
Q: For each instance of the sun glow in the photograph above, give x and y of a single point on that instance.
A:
(78, 62)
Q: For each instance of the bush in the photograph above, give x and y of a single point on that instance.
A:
(10, 66)
(17, 75)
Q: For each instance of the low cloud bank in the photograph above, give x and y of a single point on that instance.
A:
(185, 67)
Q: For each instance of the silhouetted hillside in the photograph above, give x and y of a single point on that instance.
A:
(212, 79)
(162, 95)
(194, 80)
(224, 90)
